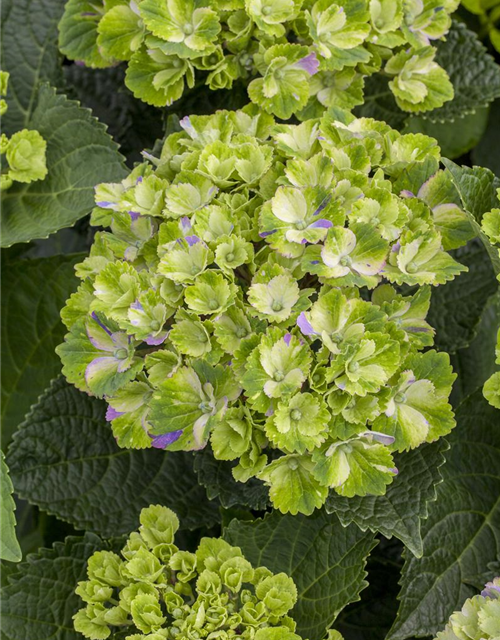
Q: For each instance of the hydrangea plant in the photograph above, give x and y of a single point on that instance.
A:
(490, 225)
(155, 590)
(25, 150)
(297, 56)
(478, 618)
(264, 288)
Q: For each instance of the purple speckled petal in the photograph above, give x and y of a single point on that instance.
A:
(96, 318)
(137, 306)
(314, 261)
(134, 215)
(265, 234)
(111, 413)
(185, 224)
(491, 590)
(406, 193)
(383, 438)
(99, 364)
(191, 240)
(106, 204)
(310, 64)
(322, 223)
(287, 338)
(323, 204)
(305, 326)
(269, 412)
(154, 341)
(163, 441)
(187, 126)
(394, 470)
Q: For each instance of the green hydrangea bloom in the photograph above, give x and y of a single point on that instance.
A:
(478, 618)
(163, 592)
(296, 57)
(25, 153)
(247, 306)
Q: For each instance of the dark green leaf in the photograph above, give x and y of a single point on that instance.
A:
(400, 512)
(462, 534)
(486, 153)
(133, 124)
(475, 364)
(326, 560)
(80, 154)
(473, 72)
(40, 601)
(65, 460)
(456, 309)
(477, 188)
(372, 617)
(454, 140)
(29, 54)
(217, 478)
(33, 292)
(9, 546)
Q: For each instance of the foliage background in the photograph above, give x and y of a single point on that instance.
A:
(69, 477)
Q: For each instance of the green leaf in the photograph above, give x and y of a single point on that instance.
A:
(454, 140)
(9, 546)
(456, 309)
(406, 503)
(475, 364)
(39, 600)
(65, 460)
(476, 83)
(33, 292)
(29, 54)
(485, 154)
(461, 534)
(326, 561)
(477, 188)
(216, 476)
(80, 154)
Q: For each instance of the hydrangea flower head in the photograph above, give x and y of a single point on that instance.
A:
(245, 295)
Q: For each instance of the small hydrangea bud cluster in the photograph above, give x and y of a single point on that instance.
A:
(298, 56)
(479, 617)
(24, 151)
(491, 227)
(155, 591)
(247, 293)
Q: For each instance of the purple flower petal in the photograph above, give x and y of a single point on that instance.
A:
(322, 223)
(111, 413)
(134, 215)
(185, 224)
(265, 234)
(187, 126)
(382, 438)
(99, 364)
(156, 340)
(96, 318)
(310, 64)
(287, 338)
(394, 470)
(191, 240)
(406, 193)
(323, 204)
(165, 439)
(106, 204)
(491, 590)
(305, 326)
(314, 261)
